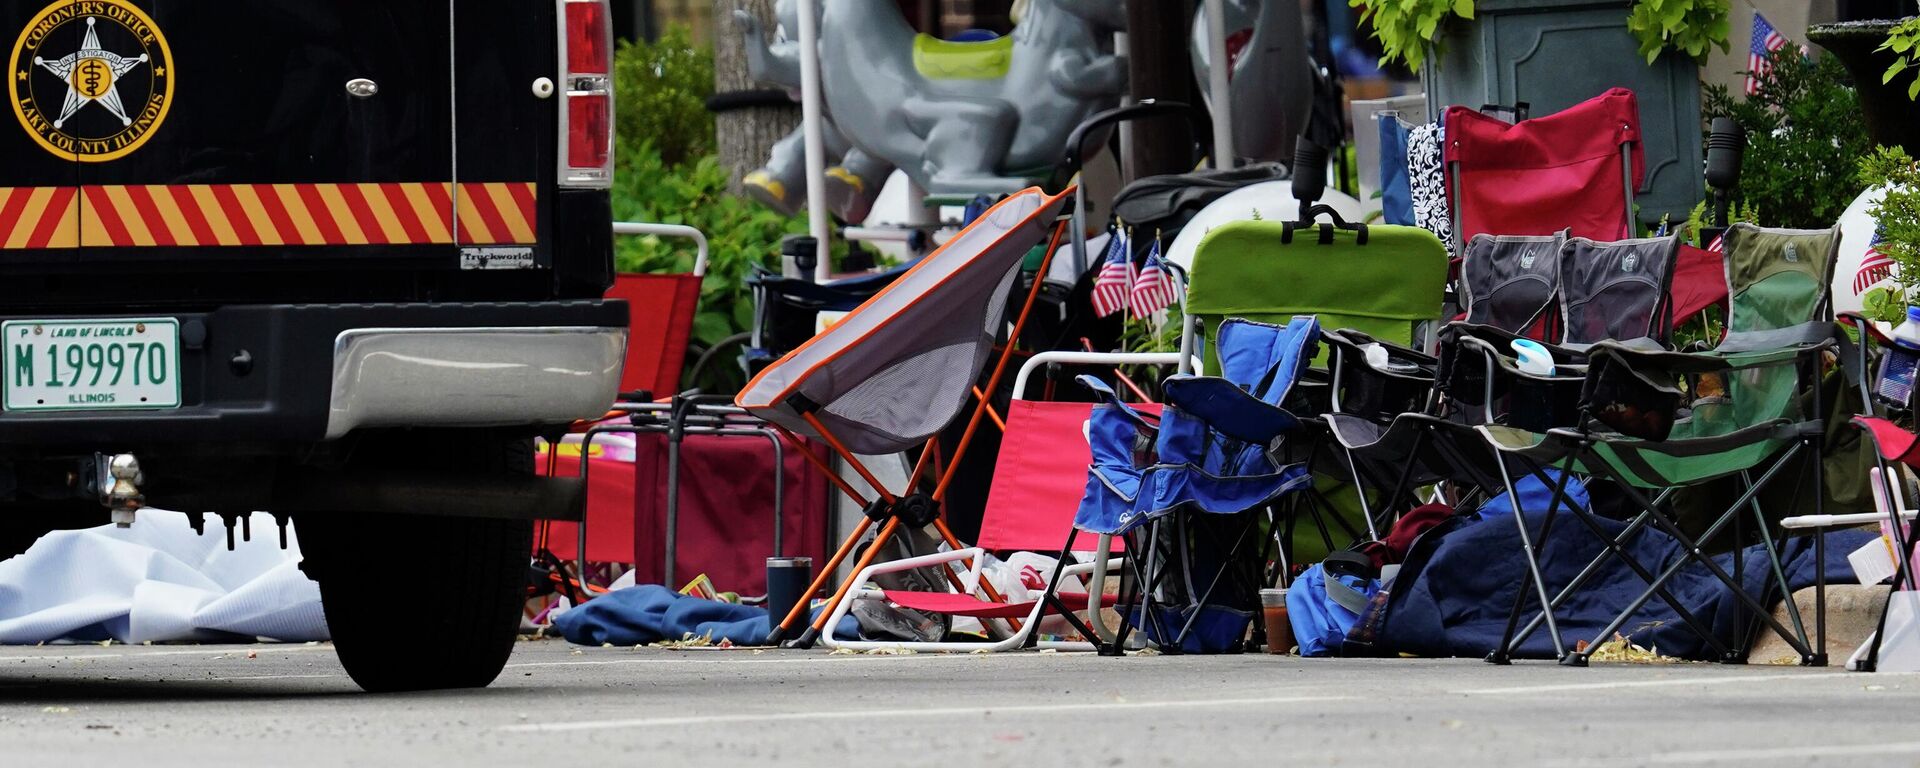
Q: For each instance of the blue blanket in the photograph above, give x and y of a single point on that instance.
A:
(650, 613)
(1453, 595)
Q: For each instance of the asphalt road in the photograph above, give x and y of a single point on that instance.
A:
(562, 705)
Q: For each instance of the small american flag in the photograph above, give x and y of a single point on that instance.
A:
(1153, 289)
(1115, 281)
(1766, 40)
(1874, 267)
(1719, 244)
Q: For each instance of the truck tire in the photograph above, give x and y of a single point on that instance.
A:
(418, 602)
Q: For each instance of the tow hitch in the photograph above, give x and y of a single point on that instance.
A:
(117, 480)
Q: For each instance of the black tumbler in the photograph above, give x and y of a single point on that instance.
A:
(787, 580)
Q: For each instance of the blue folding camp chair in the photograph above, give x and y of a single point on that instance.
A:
(1213, 450)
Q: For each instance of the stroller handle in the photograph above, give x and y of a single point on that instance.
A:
(1146, 109)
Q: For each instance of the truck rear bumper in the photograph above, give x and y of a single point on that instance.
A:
(306, 373)
(472, 377)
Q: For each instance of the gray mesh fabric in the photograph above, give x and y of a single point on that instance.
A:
(899, 368)
(1510, 279)
(1615, 290)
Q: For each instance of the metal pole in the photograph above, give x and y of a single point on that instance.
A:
(810, 122)
(1217, 91)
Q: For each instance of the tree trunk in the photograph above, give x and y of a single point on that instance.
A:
(743, 136)
(1158, 67)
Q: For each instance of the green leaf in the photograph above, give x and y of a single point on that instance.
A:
(1894, 70)
(1463, 8)
(1913, 91)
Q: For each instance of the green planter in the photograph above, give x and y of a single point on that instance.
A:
(1554, 54)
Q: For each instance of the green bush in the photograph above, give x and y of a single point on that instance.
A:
(661, 90)
(1898, 217)
(1804, 135)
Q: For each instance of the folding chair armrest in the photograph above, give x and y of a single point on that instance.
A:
(1089, 358)
(922, 561)
(1712, 361)
(1077, 569)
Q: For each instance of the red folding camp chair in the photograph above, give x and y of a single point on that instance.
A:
(662, 307)
(900, 368)
(1575, 169)
(1038, 480)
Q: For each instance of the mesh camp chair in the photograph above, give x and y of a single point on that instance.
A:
(1742, 414)
(1599, 291)
(1038, 480)
(900, 368)
(1576, 170)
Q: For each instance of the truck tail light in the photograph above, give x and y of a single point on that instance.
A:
(586, 94)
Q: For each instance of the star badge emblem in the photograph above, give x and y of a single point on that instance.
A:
(90, 74)
(106, 53)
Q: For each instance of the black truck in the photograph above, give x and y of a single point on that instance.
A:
(337, 261)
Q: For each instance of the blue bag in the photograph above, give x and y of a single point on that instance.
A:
(1323, 608)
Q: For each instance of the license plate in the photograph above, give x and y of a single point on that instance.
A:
(75, 365)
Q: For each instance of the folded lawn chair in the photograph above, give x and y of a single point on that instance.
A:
(1576, 169)
(1212, 451)
(1378, 281)
(1038, 479)
(901, 367)
(1742, 413)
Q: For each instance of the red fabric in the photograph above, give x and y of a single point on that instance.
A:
(1540, 176)
(609, 511)
(1039, 477)
(1894, 443)
(954, 604)
(661, 308)
(1699, 281)
(726, 510)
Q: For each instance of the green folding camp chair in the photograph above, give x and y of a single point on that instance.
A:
(1654, 421)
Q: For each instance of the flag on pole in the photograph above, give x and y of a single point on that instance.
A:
(1719, 244)
(1766, 40)
(1115, 281)
(1874, 267)
(1153, 289)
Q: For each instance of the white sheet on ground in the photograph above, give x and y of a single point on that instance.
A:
(159, 582)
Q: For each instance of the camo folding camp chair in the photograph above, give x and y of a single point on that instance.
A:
(1653, 421)
(901, 368)
(1188, 490)
(1377, 282)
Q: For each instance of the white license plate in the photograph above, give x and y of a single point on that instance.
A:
(75, 365)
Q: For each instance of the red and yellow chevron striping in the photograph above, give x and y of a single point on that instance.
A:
(267, 214)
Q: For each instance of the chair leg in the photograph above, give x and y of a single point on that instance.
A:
(812, 633)
(1691, 549)
(1499, 656)
(820, 579)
